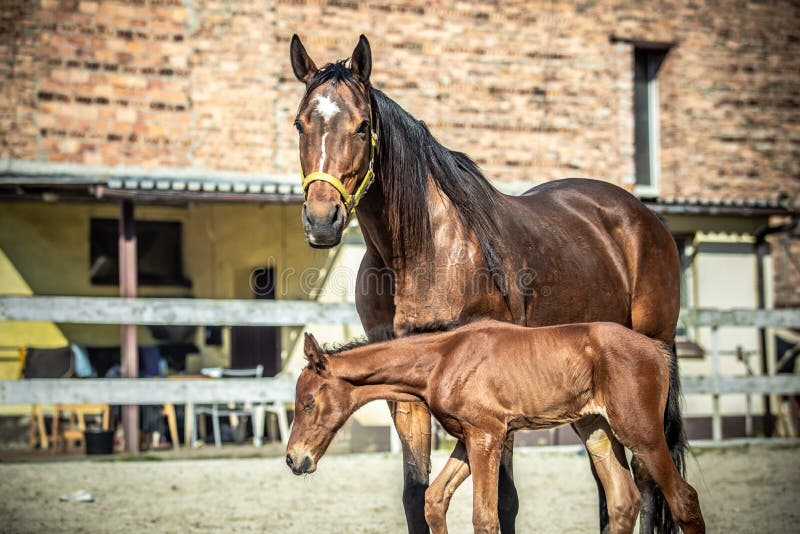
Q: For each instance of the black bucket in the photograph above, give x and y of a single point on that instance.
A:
(99, 441)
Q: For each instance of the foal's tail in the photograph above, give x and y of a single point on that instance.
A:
(676, 441)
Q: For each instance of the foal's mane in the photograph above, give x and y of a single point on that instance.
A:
(333, 350)
(427, 328)
(407, 155)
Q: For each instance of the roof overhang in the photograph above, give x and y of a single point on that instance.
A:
(70, 181)
(721, 207)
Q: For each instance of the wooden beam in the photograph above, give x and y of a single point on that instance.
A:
(782, 318)
(281, 389)
(175, 311)
(146, 391)
(184, 197)
(745, 385)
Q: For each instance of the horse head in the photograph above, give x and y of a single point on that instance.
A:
(337, 140)
(322, 405)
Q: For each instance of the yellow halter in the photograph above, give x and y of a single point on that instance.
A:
(350, 201)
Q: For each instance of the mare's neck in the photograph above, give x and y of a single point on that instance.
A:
(422, 189)
(374, 223)
(397, 370)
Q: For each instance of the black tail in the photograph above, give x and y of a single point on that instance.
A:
(676, 441)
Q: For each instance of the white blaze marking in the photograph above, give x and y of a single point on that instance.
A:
(326, 107)
(322, 155)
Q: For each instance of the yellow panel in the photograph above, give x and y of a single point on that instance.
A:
(22, 333)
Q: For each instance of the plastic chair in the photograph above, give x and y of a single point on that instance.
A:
(232, 410)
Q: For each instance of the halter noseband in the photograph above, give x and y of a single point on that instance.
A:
(350, 201)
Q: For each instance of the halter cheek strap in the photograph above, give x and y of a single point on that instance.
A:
(350, 201)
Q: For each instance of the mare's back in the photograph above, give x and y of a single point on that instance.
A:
(575, 199)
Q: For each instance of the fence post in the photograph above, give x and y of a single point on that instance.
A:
(748, 401)
(716, 416)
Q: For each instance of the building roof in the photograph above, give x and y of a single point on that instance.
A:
(181, 184)
(147, 184)
(750, 207)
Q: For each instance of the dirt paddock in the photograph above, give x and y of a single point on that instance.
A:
(752, 488)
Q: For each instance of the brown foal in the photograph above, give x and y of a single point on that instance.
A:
(487, 379)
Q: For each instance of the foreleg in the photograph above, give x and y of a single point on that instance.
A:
(484, 451)
(413, 423)
(508, 500)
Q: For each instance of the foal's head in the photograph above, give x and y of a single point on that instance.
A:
(322, 405)
(336, 140)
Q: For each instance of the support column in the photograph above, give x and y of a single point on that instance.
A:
(762, 248)
(129, 346)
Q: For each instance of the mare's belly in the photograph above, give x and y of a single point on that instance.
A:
(540, 423)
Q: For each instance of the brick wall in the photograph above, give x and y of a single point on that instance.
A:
(532, 90)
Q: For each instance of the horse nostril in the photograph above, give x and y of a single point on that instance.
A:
(289, 462)
(306, 217)
(334, 215)
(306, 464)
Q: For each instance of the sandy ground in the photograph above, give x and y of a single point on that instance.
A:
(742, 489)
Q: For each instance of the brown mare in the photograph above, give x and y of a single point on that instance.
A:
(444, 246)
(485, 380)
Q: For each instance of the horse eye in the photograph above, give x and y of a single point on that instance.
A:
(363, 128)
(299, 126)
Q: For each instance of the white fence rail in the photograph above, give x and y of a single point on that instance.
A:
(172, 311)
(159, 390)
(741, 317)
(740, 385)
(146, 391)
(175, 311)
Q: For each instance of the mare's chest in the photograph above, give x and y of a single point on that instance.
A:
(452, 285)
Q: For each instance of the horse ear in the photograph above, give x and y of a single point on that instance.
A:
(314, 353)
(361, 60)
(302, 64)
(310, 346)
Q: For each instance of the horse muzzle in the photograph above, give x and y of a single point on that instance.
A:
(301, 466)
(323, 225)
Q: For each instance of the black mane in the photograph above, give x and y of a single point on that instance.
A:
(407, 154)
(332, 350)
(427, 328)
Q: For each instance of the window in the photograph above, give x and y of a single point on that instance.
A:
(647, 61)
(686, 253)
(158, 249)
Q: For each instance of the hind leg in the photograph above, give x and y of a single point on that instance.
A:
(438, 495)
(681, 497)
(647, 489)
(608, 458)
(638, 424)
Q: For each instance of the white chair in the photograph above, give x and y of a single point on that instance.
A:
(279, 409)
(232, 410)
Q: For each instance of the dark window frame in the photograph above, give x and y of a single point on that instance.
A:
(104, 253)
(647, 60)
